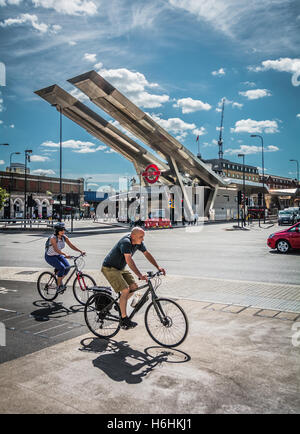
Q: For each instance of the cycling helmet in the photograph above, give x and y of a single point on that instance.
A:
(59, 227)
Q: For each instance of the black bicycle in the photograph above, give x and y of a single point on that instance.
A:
(165, 321)
(47, 283)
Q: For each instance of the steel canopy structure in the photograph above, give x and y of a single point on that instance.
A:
(113, 102)
(101, 129)
(180, 166)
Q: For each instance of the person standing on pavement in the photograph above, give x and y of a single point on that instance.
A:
(122, 280)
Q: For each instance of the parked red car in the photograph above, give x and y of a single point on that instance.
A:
(285, 240)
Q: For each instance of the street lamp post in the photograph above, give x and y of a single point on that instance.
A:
(263, 172)
(11, 180)
(86, 181)
(244, 189)
(27, 158)
(297, 162)
(4, 144)
(60, 164)
(58, 107)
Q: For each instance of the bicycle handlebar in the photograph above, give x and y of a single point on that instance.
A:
(151, 274)
(76, 257)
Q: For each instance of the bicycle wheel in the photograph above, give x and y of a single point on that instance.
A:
(102, 318)
(81, 286)
(166, 322)
(46, 285)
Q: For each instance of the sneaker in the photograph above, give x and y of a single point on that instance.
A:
(60, 289)
(126, 323)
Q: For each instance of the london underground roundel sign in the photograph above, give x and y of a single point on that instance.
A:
(151, 173)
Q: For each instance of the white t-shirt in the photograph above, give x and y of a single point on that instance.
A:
(60, 244)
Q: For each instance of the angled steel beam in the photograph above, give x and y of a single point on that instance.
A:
(113, 102)
(102, 129)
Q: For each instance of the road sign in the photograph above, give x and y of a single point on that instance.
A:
(151, 173)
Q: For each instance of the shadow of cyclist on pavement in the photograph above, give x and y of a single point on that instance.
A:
(121, 362)
(49, 310)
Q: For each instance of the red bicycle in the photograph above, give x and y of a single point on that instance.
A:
(47, 283)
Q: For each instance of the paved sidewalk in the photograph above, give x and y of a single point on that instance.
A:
(230, 363)
(275, 296)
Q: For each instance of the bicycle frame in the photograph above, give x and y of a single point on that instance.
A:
(78, 273)
(143, 300)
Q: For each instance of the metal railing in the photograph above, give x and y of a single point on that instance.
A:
(24, 223)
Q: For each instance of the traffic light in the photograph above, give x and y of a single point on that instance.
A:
(72, 199)
(239, 197)
(31, 202)
(259, 199)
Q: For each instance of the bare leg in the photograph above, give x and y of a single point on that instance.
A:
(124, 297)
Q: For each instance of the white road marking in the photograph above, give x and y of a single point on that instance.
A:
(8, 310)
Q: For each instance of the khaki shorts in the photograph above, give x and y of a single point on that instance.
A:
(119, 279)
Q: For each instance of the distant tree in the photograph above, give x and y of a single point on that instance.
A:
(3, 197)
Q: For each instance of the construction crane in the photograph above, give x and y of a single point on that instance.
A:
(220, 141)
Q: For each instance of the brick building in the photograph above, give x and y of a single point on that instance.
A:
(231, 169)
(275, 182)
(44, 190)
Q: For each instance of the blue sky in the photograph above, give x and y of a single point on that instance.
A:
(176, 59)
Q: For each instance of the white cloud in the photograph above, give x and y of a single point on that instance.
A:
(12, 126)
(10, 2)
(189, 105)
(228, 102)
(73, 7)
(298, 115)
(38, 158)
(173, 125)
(133, 85)
(210, 145)
(256, 93)
(56, 28)
(249, 83)
(27, 19)
(106, 189)
(219, 72)
(42, 172)
(199, 131)
(178, 126)
(79, 95)
(2, 162)
(98, 65)
(1, 122)
(252, 127)
(248, 150)
(90, 57)
(283, 65)
(249, 22)
(76, 146)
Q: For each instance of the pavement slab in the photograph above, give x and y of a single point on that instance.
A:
(222, 367)
(263, 295)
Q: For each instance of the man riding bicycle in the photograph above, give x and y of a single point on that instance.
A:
(54, 255)
(122, 280)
